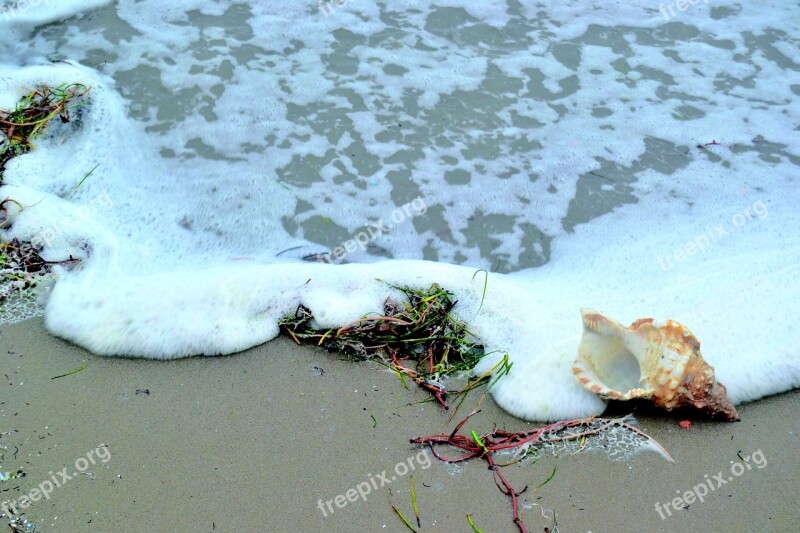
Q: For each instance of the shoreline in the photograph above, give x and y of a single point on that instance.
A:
(259, 439)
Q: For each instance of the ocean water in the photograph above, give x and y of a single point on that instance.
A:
(636, 158)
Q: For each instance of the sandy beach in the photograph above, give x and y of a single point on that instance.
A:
(189, 171)
(261, 440)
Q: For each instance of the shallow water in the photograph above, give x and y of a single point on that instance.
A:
(514, 123)
(601, 144)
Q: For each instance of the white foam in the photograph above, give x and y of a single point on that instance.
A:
(163, 276)
(39, 12)
(533, 316)
(18, 19)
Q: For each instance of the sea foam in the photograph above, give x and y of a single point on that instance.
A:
(269, 124)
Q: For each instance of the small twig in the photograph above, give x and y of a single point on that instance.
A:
(403, 518)
(87, 175)
(472, 525)
(414, 501)
(82, 367)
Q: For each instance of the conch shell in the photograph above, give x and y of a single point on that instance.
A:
(652, 360)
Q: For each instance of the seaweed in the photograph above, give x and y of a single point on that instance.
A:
(21, 266)
(404, 519)
(418, 339)
(475, 446)
(472, 524)
(27, 122)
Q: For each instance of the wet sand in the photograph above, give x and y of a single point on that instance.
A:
(254, 441)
